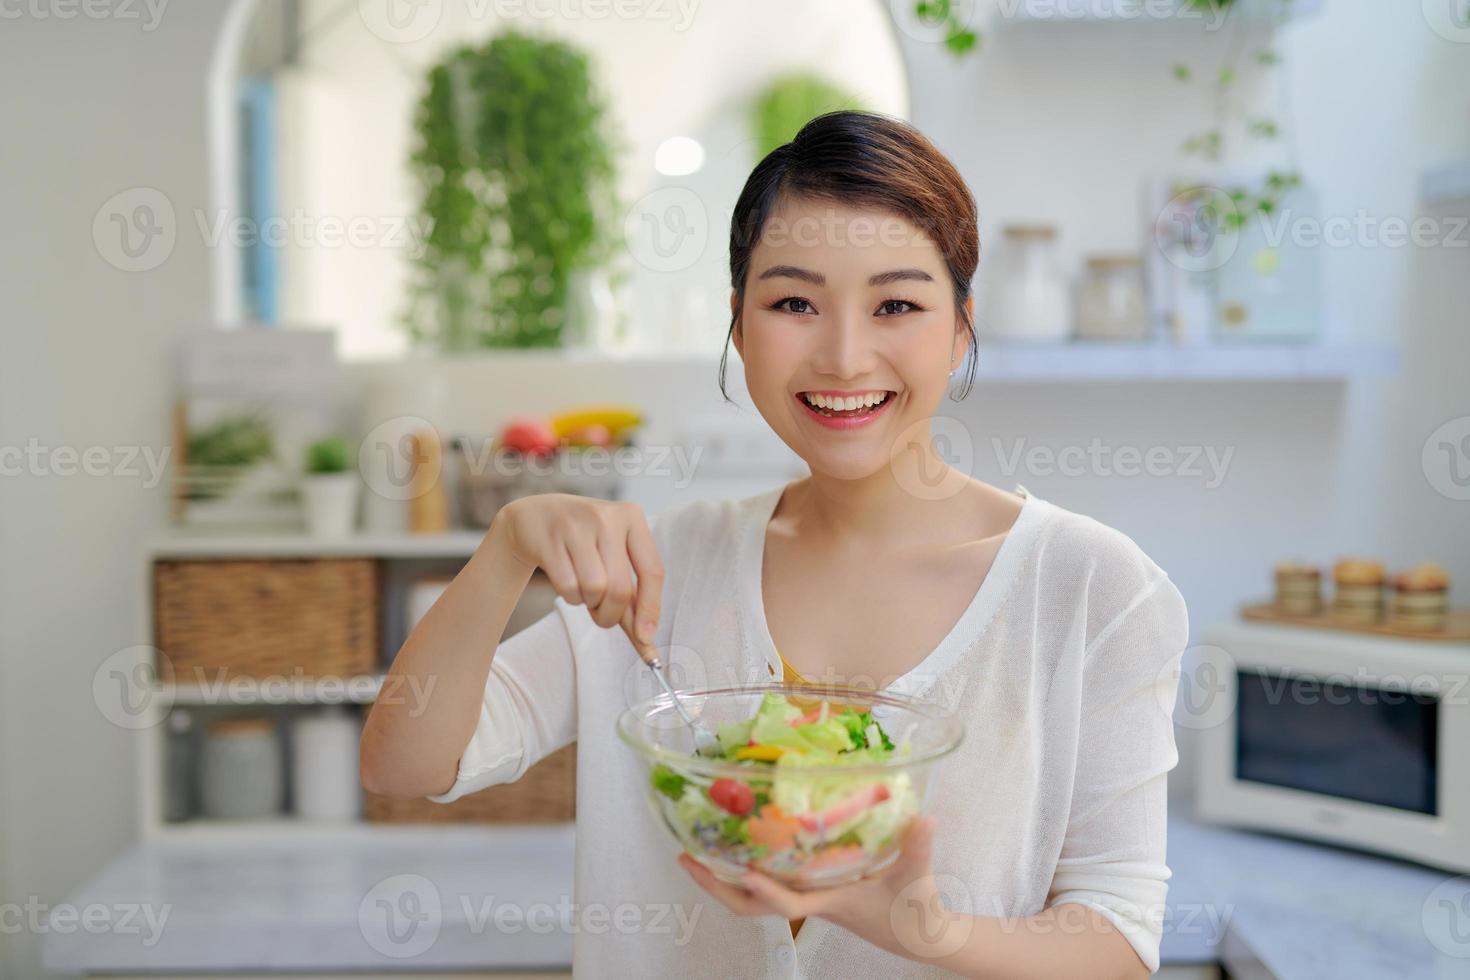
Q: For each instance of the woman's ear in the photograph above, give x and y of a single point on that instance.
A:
(962, 333)
(737, 335)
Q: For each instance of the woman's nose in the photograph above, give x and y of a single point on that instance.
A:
(845, 348)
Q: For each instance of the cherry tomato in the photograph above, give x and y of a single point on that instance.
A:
(732, 796)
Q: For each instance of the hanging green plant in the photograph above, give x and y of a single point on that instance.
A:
(789, 103)
(515, 163)
(1208, 143)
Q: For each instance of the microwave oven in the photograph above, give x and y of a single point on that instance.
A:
(1346, 738)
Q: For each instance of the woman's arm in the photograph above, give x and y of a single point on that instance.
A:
(440, 700)
(431, 697)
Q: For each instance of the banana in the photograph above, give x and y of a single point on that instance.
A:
(617, 418)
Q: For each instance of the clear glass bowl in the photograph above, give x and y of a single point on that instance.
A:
(810, 844)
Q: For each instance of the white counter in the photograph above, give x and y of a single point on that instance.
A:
(500, 899)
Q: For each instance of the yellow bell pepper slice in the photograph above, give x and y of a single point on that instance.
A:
(763, 753)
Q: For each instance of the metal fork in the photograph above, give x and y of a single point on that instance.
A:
(705, 743)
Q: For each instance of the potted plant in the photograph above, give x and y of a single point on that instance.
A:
(329, 489)
(516, 166)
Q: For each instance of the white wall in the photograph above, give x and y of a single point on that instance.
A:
(92, 107)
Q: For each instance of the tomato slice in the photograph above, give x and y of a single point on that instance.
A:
(732, 796)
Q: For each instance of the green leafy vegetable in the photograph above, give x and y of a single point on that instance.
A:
(668, 782)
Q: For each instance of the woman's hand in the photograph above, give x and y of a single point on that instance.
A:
(597, 553)
(897, 909)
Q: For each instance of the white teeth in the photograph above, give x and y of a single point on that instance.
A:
(847, 404)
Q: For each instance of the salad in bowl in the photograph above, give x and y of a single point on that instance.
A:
(812, 785)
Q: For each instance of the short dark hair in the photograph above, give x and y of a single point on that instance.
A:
(865, 158)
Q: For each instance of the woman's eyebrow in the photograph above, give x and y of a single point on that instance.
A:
(817, 279)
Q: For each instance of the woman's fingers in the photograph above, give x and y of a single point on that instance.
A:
(587, 563)
(649, 568)
(645, 650)
(735, 899)
(612, 547)
(788, 902)
(563, 576)
(918, 845)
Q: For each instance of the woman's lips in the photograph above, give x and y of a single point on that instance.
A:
(845, 421)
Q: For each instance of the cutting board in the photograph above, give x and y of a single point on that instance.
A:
(1456, 628)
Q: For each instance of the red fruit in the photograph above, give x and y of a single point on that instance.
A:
(732, 796)
(528, 436)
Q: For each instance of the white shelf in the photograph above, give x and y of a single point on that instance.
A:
(284, 691)
(206, 544)
(1204, 19)
(1164, 363)
(1445, 185)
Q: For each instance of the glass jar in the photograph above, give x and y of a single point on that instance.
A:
(1112, 304)
(1030, 295)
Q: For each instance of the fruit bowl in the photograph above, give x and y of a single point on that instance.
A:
(815, 786)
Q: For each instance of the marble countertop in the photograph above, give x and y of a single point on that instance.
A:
(460, 898)
(1271, 907)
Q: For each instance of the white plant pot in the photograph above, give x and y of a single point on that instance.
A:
(331, 504)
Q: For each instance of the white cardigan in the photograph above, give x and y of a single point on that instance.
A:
(1064, 667)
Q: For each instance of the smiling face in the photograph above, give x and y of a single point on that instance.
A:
(847, 332)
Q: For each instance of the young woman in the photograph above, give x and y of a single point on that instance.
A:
(852, 250)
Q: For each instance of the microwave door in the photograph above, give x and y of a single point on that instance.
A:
(1339, 740)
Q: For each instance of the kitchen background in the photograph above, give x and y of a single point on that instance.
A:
(1309, 400)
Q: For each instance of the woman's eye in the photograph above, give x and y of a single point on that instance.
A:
(893, 307)
(792, 304)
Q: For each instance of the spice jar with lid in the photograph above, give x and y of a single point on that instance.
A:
(1030, 300)
(1112, 304)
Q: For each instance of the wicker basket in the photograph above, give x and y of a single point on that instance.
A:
(307, 618)
(545, 794)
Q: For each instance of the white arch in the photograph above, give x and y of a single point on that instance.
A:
(224, 155)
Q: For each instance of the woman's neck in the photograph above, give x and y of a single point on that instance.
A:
(916, 501)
